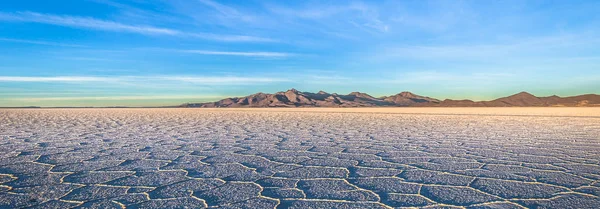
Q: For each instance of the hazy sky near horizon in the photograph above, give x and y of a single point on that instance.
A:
(146, 53)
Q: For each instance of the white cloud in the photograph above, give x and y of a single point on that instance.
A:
(55, 79)
(219, 7)
(448, 78)
(85, 22)
(156, 80)
(227, 11)
(358, 14)
(39, 42)
(237, 53)
(519, 48)
(96, 24)
(224, 80)
(104, 98)
(230, 38)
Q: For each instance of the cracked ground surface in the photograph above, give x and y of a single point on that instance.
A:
(326, 158)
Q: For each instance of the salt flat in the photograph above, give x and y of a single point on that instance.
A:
(300, 158)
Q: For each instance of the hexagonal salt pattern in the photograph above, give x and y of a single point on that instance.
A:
(192, 158)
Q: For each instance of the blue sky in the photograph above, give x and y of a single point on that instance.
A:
(145, 53)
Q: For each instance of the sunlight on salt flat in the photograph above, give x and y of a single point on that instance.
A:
(299, 158)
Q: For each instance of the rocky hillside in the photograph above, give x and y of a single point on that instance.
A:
(295, 98)
(525, 99)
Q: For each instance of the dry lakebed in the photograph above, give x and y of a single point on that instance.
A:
(300, 158)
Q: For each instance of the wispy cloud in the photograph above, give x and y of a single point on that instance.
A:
(436, 76)
(357, 14)
(133, 12)
(226, 79)
(226, 11)
(440, 17)
(90, 59)
(237, 53)
(327, 79)
(137, 97)
(97, 24)
(85, 22)
(55, 79)
(230, 38)
(202, 80)
(532, 46)
(219, 7)
(40, 42)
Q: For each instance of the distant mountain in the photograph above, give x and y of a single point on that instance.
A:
(410, 99)
(522, 99)
(525, 99)
(295, 98)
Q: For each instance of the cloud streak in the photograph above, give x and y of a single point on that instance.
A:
(531, 47)
(117, 98)
(357, 14)
(227, 79)
(203, 80)
(226, 11)
(55, 79)
(85, 22)
(237, 53)
(105, 25)
(39, 42)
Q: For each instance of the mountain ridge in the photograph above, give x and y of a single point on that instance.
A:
(295, 98)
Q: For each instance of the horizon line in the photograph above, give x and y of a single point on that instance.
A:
(226, 97)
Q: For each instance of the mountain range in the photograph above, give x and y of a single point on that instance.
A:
(295, 98)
